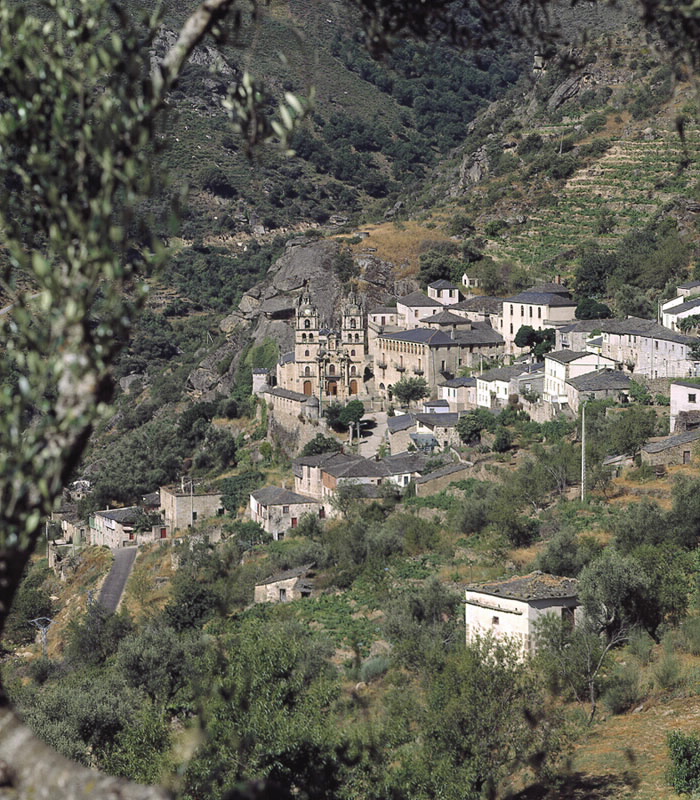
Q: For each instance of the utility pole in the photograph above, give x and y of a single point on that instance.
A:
(42, 624)
(583, 453)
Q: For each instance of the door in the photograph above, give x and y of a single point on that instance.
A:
(353, 387)
(686, 456)
(307, 388)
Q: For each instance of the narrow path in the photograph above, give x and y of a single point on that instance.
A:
(113, 587)
(371, 439)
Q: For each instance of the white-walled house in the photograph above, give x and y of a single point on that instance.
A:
(511, 608)
(444, 292)
(685, 399)
(493, 386)
(562, 365)
(460, 393)
(412, 308)
(539, 307)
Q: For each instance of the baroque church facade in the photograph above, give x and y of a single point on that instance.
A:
(327, 362)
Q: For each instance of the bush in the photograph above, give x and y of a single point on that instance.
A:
(622, 691)
(684, 773)
(640, 644)
(691, 635)
(374, 668)
(667, 672)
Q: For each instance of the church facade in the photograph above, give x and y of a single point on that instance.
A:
(327, 362)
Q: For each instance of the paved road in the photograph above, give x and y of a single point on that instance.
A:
(113, 587)
(373, 438)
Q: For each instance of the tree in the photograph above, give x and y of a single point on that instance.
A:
(539, 342)
(588, 308)
(321, 444)
(408, 390)
(471, 424)
(629, 430)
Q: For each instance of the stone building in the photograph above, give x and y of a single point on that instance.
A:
(279, 510)
(284, 587)
(181, 507)
(327, 362)
(679, 449)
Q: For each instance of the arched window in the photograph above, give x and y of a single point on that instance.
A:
(357, 337)
(307, 370)
(303, 337)
(352, 352)
(331, 369)
(353, 370)
(311, 337)
(306, 353)
(353, 323)
(307, 323)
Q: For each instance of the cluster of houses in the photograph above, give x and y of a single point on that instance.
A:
(439, 336)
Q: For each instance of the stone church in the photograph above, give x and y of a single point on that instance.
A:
(327, 362)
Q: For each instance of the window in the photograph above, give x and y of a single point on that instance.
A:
(383, 321)
(285, 509)
(331, 369)
(353, 323)
(352, 352)
(283, 595)
(511, 327)
(307, 323)
(163, 533)
(357, 337)
(691, 398)
(495, 620)
(539, 313)
(303, 337)
(530, 311)
(306, 353)
(194, 516)
(131, 536)
(311, 337)
(522, 311)
(307, 371)
(511, 310)
(322, 513)
(656, 345)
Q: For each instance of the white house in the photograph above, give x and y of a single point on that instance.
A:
(540, 307)
(470, 282)
(685, 403)
(511, 608)
(677, 309)
(460, 393)
(444, 292)
(561, 365)
(493, 386)
(415, 306)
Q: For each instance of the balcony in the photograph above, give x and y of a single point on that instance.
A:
(381, 364)
(400, 367)
(418, 371)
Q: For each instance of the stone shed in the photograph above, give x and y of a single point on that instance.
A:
(679, 449)
(286, 586)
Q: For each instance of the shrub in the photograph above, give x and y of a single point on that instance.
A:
(622, 690)
(691, 635)
(640, 644)
(374, 668)
(684, 773)
(667, 672)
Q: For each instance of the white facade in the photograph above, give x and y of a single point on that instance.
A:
(558, 371)
(488, 609)
(685, 396)
(539, 310)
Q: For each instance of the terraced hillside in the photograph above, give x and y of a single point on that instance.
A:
(632, 181)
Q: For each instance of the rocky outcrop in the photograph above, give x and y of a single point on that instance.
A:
(565, 91)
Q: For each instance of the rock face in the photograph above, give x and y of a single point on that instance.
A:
(474, 169)
(566, 90)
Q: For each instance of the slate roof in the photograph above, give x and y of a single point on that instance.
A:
(439, 420)
(445, 318)
(151, 499)
(484, 304)
(600, 380)
(480, 333)
(671, 441)
(690, 285)
(455, 383)
(636, 326)
(536, 298)
(277, 496)
(124, 516)
(566, 356)
(384, 310)
(405, 462)
(400, 422)
(418, 299)
(297, 572)
(550, 288)
(427, 336)
(441, 284)
(534, 586)
(689, 384)
(323, 458)
(359, 468)
(287, 358)
(449, 469)
(500, 374)
(287, 393)
(435, 403)
(261, 370)
(689, 305)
